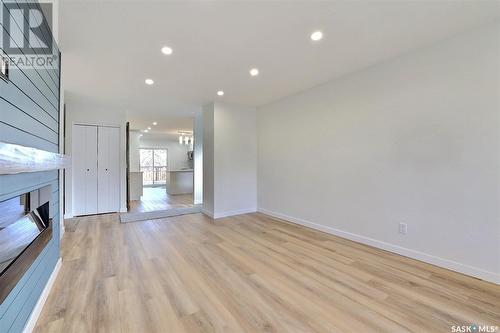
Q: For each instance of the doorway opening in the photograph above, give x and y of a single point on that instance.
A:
(161, 168)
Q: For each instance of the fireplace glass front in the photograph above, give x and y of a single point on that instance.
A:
(23, 220)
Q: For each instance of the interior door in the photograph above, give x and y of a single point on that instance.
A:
(84, 170)
(109, 169)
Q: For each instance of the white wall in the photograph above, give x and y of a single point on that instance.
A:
(77, 113)
(413, 140)
(235, 149)
(230, 132)
(198, 159)
(177, 153)
(208, 159)
(135, 157)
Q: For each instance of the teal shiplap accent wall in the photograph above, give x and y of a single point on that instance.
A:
(29, 116)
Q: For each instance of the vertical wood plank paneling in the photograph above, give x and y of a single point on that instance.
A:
(29, 115)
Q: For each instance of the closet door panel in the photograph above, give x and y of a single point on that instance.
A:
(91, 162)
(103, 181)
(109, 164)
(114, 169)
(84, 170)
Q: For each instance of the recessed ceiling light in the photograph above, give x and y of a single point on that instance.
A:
(317, 35)
(145, 131)
(149, 128)
(220, 93)
(166, 50)
(149, 82)
(140, 135)
(155, 123)
(254, 72)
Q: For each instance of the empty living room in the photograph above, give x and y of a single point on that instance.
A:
(249, 166)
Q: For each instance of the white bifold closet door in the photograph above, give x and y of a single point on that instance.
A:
(108, 160)
(96, 169)
(84, 170)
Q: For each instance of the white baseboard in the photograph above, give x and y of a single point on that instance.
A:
(30, 324)
(234, 212)
(441, 262)
(68, 216)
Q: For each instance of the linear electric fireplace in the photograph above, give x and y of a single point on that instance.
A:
(25, 229)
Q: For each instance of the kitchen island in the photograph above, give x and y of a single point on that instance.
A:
(180, 181)
(136, 185)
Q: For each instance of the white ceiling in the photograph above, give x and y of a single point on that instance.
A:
(167, 128)
(111, 47)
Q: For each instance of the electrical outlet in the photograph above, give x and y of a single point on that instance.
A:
(403, 228)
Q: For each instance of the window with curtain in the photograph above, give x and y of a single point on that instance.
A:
(153, 163)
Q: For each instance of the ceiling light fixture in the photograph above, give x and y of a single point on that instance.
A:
(149, 82)
(254, 72)
(155, 123)
(220, 93)
(145, 131)
(166, 50)
(149, 128)
(317, 35)
(185, 137)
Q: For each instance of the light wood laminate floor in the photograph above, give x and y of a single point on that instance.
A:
(249, 273)
(156, 198)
